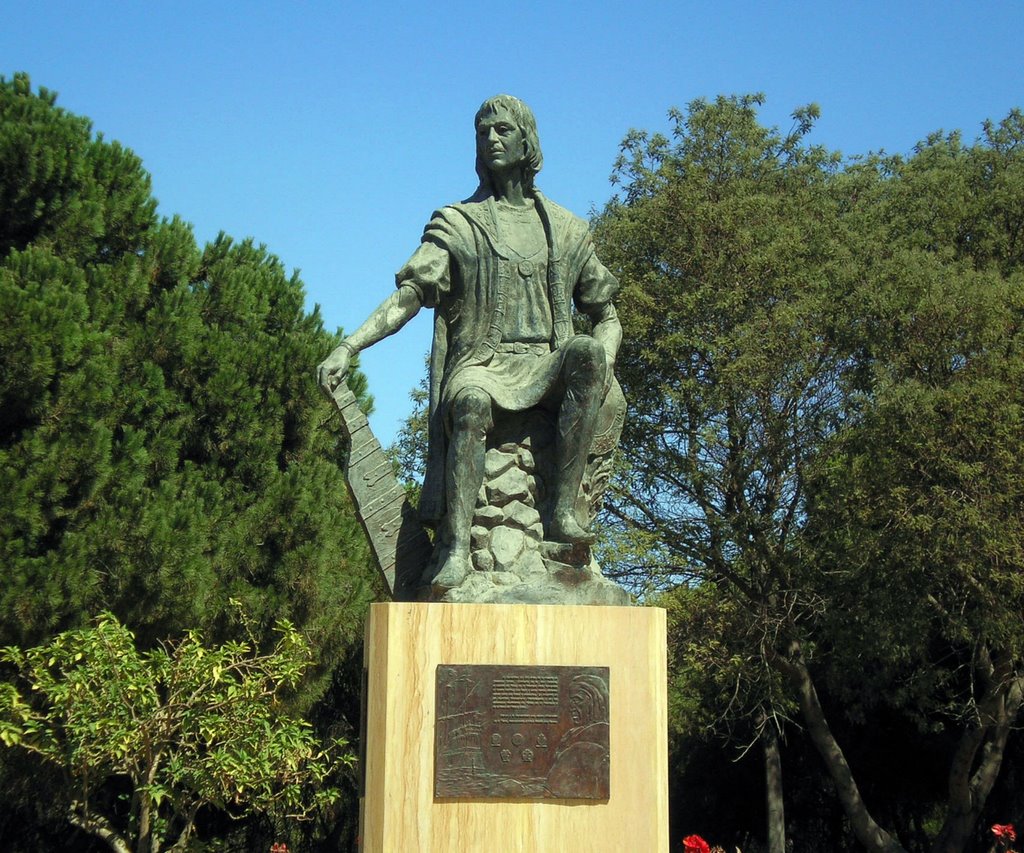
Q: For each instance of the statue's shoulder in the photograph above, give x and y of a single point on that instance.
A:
(561, 214)
(461, 215)
(451, 227)
(469, 210)
(470, 221)
(564, 222)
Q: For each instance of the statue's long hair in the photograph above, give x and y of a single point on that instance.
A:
(527, 124)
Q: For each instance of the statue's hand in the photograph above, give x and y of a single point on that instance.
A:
(333, 369)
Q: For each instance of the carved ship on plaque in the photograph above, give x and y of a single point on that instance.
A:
(461, 735)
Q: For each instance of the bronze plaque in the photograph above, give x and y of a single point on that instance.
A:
(521, 732)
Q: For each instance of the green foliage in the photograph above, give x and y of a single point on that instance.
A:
(712, 670)
(81, 197)
(915, 505)
(824, 366)
(409, 451)
(163, 446)
(727, 242)
(187, 725)
(919, 497)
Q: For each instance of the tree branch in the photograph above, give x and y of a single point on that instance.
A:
(186, 833)
(868, 833)
(100, 827)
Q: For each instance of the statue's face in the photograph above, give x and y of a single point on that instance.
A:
(499, 142)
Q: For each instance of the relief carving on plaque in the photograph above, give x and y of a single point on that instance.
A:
(522, 732)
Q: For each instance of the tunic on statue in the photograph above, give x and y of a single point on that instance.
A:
(479, 287)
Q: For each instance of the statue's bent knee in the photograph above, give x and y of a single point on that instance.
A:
(471, 411)
(585, 360)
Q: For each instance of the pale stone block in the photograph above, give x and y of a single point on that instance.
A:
(513, 485)
(483, 561)
(488, 516)
(480, 538)
(405, 643)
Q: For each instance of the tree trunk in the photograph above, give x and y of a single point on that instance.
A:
(144, 840)
(186, 833)
(867, 832)
(773, 789)
(997, 710)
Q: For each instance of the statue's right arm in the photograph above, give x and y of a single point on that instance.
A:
(393, 313)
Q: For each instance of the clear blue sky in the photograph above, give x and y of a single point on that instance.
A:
(330, 130)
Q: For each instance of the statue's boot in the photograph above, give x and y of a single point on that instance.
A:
(565, 525)
(454, 570)
(464, 474)
(586, 369)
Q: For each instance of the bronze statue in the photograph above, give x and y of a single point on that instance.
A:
(500, 270)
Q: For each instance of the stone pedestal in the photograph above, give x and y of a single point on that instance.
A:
(405, 645)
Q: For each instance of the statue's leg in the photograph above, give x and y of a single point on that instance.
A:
(464, 474)
(584, 369)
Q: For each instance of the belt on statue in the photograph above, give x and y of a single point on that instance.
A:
(521, 348)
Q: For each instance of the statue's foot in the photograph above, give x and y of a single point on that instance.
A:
(565, 528)
(453, 571)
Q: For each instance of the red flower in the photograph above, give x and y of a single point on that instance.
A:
(279, 847)
(1004, 830)
(695, 844)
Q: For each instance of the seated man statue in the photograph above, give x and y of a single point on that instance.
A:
(499, 270)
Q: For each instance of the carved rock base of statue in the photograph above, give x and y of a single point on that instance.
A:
(512, 563)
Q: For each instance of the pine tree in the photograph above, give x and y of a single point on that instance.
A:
(163, 445)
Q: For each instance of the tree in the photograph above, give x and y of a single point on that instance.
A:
(409, 449)
(163, 449)
(783, 315)
(184, 724)
(918, 499)
(725, 244)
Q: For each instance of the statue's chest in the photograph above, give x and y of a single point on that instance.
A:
(521, 232)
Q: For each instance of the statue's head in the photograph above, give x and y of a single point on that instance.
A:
(521, 116)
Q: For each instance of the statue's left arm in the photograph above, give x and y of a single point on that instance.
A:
(593, 297)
